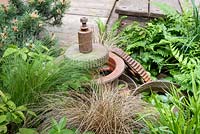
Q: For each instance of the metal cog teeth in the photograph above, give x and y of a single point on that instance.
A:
(134, 66)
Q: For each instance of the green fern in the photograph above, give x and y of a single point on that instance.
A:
(189, 62)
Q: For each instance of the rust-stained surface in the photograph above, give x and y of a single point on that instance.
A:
(134, 66)
(85, 37)
(117, 68)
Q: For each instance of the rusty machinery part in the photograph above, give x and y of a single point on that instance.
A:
(117, 67)
(134, 66)
(95, 59)
(85, 37)
(131, 83)
(155, 86)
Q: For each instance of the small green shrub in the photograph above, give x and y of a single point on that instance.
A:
(60, 128)
(10, 115)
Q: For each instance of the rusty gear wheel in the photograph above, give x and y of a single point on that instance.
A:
(133, 65)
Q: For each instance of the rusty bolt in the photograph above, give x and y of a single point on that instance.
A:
(84, 21)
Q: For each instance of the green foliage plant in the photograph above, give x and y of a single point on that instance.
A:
(181, 115)
(154, 45)
(60, 128)
(108, 36)
(25, 74)
(10, 114)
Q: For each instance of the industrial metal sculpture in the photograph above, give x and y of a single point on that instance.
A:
(96, 56)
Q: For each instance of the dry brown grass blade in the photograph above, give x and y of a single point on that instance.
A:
(102, 111)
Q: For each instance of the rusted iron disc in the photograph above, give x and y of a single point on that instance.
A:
(155, 86)
(118, 66)
(134, 66)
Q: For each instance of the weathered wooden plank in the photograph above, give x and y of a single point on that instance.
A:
(88, 12)
(106, 4)
(133, 8)
(156, 12)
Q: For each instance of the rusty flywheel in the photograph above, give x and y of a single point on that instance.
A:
(133, 65)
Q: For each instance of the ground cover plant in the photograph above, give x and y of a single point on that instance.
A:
(158, 44)
(11, 115)
(180, 114)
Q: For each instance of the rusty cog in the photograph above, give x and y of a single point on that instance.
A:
(133, 65)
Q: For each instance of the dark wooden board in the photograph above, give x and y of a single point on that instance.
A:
(132, 7)
(156, 12)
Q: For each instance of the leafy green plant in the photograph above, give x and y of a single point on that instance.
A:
(27, 131)
(28, 74)
(10, 114)
(60, 127)
(108, 37)
(181, 115)
(155, 44)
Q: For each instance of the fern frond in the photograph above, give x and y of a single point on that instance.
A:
(188, 62)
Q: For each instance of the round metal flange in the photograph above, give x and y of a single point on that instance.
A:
(97, 58)
(118, 67)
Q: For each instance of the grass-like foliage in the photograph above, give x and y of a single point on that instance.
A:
(26, 74)
(181, 115)
(103, 111)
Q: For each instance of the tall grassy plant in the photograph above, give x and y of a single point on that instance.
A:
(25, 79)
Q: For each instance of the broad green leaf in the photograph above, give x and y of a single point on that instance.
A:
(21, 108)
(67, 131)
(3, 97)
(3, 129)
(62, 123)
(9, 51)
(11, 105)
(24, 56)
(25, 50)
(20, 114)
(27, 131)
(2, 118)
